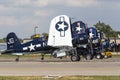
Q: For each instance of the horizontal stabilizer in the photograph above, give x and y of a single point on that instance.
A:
(17, 54)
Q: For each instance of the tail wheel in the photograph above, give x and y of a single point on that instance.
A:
(17, 59)
(42, 58)
(75, 58)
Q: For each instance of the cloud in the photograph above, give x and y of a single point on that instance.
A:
(28, 13)
(11, 15)
(21, 2)
(43, 13)
(43, 3)
(35, 3)
(4, 8)
(11, 21)
(81, 3)
(117, 6)
(7, 21)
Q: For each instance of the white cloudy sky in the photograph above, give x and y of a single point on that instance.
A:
(21, 16)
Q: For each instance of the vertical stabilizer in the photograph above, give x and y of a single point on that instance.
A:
(12, 41)
(60, 31)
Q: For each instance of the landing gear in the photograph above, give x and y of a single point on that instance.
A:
(17, 59)
(105, 56)
(42, 58)
(75, 58)
(61, 57)
(89, 56)
(99, 56)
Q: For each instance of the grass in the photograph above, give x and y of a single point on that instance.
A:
(20, 78)
(116, 55)
(61, 78)
(90, 78)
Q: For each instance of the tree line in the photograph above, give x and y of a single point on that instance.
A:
(106, 29)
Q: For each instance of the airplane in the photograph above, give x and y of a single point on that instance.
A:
(86, 40)
(60, 37)
(15, 47)
(95, 42)
(58, 44)
(80, 39)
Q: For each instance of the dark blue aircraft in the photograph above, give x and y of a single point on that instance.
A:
(105, 43)
(94, 42)
(14, 46)
(80, 39)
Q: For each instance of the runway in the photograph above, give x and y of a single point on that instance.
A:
(58, 68)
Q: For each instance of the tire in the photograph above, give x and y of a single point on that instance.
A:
(42, 58)
(17, 59)
(105, 56)
(88, 57)
(75, 58)
(78, 58)
(99, 56)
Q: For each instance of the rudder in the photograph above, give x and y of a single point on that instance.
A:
(12, 41)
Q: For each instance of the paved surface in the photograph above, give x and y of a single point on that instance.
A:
(58, 68)
(37, 59)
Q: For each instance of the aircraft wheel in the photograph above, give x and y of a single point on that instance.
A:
(88, 57)
(42, 58)
(105, 56)
(17, 59)
(75, 58)
(99, 56)
(60, 57)
(78, 58)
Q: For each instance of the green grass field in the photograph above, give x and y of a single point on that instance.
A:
(61, 78)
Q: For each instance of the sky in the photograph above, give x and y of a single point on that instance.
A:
(21, 16)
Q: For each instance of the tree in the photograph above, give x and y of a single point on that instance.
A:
(45, 34)
(106, 29)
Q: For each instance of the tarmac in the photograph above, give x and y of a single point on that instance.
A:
(61, 67)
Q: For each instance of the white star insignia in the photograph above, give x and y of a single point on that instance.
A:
(91, 35)
(78, 29)
(62, 26)
(32, 47)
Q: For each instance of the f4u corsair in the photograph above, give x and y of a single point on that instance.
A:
(59, 43)
(15, 47)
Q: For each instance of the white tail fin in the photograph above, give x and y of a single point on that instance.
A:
(60, 31)
(118, 35)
